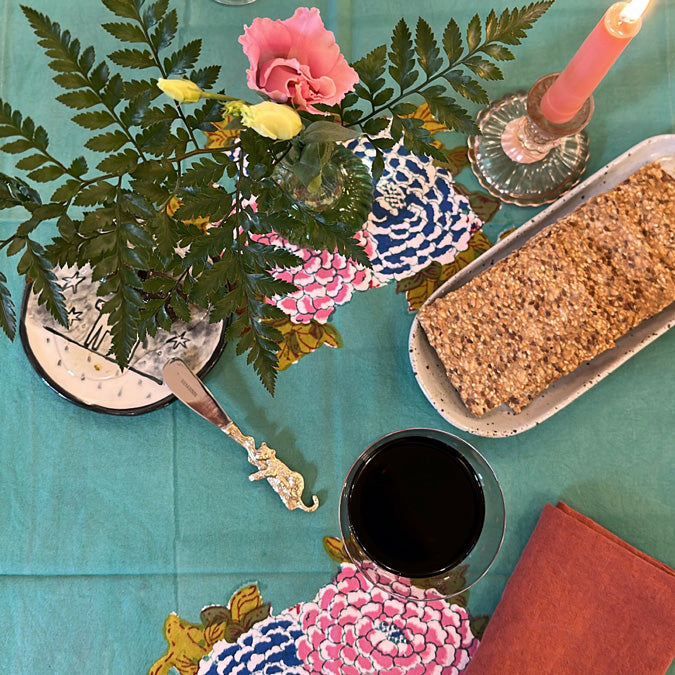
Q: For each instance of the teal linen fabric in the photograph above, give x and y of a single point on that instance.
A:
(108, 524)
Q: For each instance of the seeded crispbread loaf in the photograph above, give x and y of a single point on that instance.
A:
(560, 299)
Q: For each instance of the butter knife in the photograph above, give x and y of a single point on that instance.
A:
(189, 389)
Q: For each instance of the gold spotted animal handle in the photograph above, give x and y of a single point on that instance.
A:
(189, 389)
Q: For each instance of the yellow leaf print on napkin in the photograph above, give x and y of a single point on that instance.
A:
(190, 642)
(300, 339)
(222, 135)
(419, 287)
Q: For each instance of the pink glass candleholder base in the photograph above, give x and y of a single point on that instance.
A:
(522, 158)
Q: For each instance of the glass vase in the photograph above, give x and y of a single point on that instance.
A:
(327, 190)
(344, 192)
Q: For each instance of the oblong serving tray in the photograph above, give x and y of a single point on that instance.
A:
(502, 421)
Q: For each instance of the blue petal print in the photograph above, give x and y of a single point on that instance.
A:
(267, 649)
(417, 215)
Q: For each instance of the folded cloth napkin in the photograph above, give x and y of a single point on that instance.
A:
(580, 600)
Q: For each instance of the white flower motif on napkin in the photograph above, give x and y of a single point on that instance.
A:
(352, 628)
(267, 648)
(324, 280)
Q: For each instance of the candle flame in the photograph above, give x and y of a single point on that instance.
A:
(633, 11)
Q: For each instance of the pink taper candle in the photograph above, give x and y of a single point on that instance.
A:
(620, 24)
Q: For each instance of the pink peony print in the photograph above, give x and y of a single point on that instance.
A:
(297, 61)
(324, 281)
(354, 628)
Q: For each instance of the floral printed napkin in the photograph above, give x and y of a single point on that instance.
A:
(351, 628)
(418, 217)
(424, 226)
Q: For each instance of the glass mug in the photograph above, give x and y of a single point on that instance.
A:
(422, 514)
(234, 2)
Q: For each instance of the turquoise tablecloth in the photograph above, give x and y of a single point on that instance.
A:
(108, 524)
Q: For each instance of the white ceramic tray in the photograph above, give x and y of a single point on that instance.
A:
(502, 421)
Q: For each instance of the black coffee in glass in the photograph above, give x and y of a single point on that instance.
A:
(416, 506)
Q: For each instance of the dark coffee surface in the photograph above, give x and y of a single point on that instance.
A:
(416, 507)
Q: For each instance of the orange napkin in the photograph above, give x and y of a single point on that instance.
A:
(580, 600)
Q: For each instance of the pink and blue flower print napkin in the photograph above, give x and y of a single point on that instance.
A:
(351, 628)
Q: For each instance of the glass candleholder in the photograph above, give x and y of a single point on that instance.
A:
(523, 158)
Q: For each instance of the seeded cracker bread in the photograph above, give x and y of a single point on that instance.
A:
(564, 324)
(607, 285)
(647, 282)
(651, 193)
(560, 299)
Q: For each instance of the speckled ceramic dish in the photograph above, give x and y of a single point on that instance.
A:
(502, 421)
(75, 362)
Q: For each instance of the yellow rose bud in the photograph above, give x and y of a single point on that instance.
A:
(183, 91)
(273, 120)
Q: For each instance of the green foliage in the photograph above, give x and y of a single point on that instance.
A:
(133, 216)
(7, 313)
(421, 66)
(34, 265)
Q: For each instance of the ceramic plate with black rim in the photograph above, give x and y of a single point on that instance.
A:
(75, 363)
